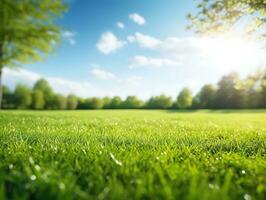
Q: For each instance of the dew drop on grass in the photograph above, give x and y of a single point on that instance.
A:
(37, 167)
(84, 151)
(247, 197)
(31, 160)
(61, 186)
(33, 177)
(243, 172)
(213, 186)
(115, 160)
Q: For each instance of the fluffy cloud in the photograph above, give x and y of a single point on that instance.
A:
(144, 41)
(120, 25)
(12, 77)
(221, 53)
(127, 86)
(143, 61)
(171, 44)
(102, 74)
(69, 36)
(137, 18)
(109, 43)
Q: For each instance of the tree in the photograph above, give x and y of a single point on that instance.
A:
(207, 96)
(223, 15)
(59, 102)
(263, 92)
(115, 102)
(72, 102)
(184, 99)
(43, 86)
(159, 102)
(28, 31)
(37, 100)
(8, 98)
(81, 104)
(96, 103)
(230, 92)
(106, 102)
(253, 87)
(90, 103)
(196, 104)
(23, 97)
(132, 102)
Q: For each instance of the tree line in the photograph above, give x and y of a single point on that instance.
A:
(231, 92)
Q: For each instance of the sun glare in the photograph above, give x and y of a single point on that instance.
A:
(233, 53)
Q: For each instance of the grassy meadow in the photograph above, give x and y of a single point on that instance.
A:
(136, 154)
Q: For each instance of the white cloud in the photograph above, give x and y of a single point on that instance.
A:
(11, 76)
(144, 41)
(69, 36)
(219, 54)
(109, 43)
(120, 25)
(143, 61)
(182, 45)
(63, 86)
(137, 18)
(102, 74)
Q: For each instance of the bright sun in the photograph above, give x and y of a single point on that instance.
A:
(232, 53)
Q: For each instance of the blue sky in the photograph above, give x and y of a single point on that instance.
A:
(135, 47)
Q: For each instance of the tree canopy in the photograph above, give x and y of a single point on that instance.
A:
(23, 97)
(28, 29)
(231, 92)
(159, 102)
(184, 99)
(207, 96)
(225, 15)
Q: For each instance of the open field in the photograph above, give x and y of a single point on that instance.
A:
(133, 155)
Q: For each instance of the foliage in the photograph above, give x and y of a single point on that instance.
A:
(43, 86)
(115, 103)
(132, 155)
(230, 92)
(159, 102)
(253, 86)
(23, 97)
(196, 104)
(95, 103)
(8, 98)
(263, 92)
(38, 100)
(59, 102)
(225, 15)
(106, 102)
(28, 29)
(132, 102)
(207, 96)
(72, 102)
(184, 99)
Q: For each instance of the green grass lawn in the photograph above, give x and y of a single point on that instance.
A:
(133, 155)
